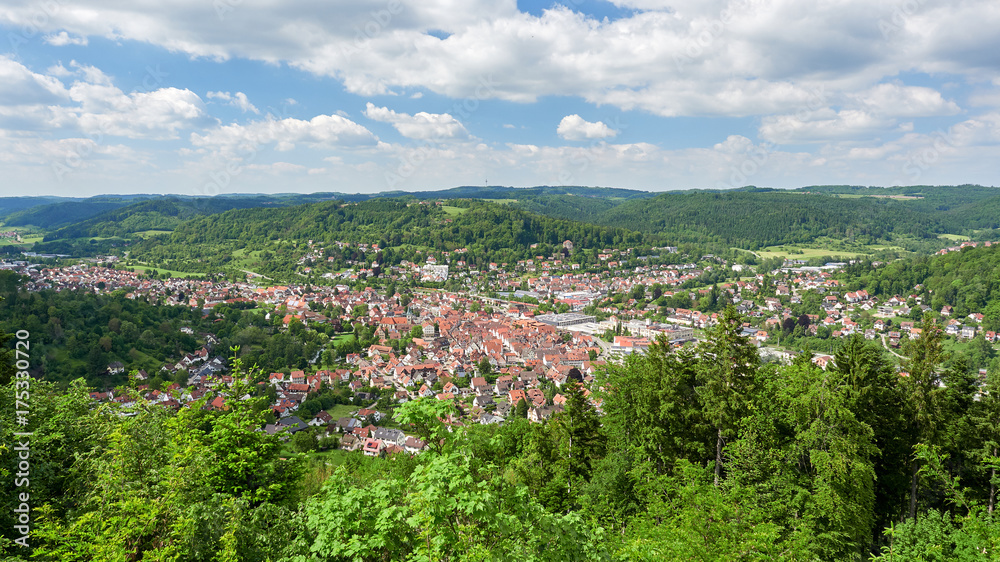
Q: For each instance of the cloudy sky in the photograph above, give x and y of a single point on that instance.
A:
(205, 97)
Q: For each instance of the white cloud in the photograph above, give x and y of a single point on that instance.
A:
(575, 128)
(321, 131)
(239, 100)
(278, 168)
(822, 126)
(92, 104)
(668, 58)
(106, 110)
(897, 100)
(20, 86)
(62, 39)
(421, 126)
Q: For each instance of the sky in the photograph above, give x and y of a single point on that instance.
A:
(214, 97)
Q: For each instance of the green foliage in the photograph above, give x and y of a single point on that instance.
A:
(441, 510)
(756, 218)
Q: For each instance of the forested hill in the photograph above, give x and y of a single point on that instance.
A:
(62, 213)
(968, 280)
(564, 202)
(489, 231)
(749, 218)
(156, 214)
(395, 222)
(758, 218)
(10, 205)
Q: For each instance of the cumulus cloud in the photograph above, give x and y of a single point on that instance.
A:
(239, 100)
(62, 39)
(421, 126)
(21, 86)
(575, 128)
(668, 58)
(822, 126)
(92, 104)
(897, 100)
(320, 131)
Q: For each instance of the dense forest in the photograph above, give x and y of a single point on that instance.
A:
(155, 214)
(911, 218)
(79, 334)
(488, 231)
(756, 218)
(690, 458)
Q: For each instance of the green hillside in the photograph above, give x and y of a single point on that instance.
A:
(488, 231)
(756, 218)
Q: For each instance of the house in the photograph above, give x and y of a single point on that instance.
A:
(515, 396)
(321, 418)
(543, 413)
(292, 424)
(347, 424)
(487, 419)
(372, 447)
(413, 445)
(375, 414)
(349, 442)
(968, 332)
(116, 368)
(388, 435)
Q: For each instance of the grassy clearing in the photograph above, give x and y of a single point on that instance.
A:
(502, 201)
(161, 271)
(453, 211)
(955, 237)
(244, 260)
(150, 233)
(823, 247)
(343, 338)
(796, 252)
(859, 196)
(27, 240)
(954, 346)
(341, 410)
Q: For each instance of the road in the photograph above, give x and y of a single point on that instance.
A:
(885, 345)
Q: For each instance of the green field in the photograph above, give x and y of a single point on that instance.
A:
(453, 211)
(28, 240)
(243, 259)
(343, 338)
(341, 410)
(822, 247)
(170, 272)
(955, 237)
(148, 233)
(797, 252)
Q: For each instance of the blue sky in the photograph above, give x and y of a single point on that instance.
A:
(205, 97)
